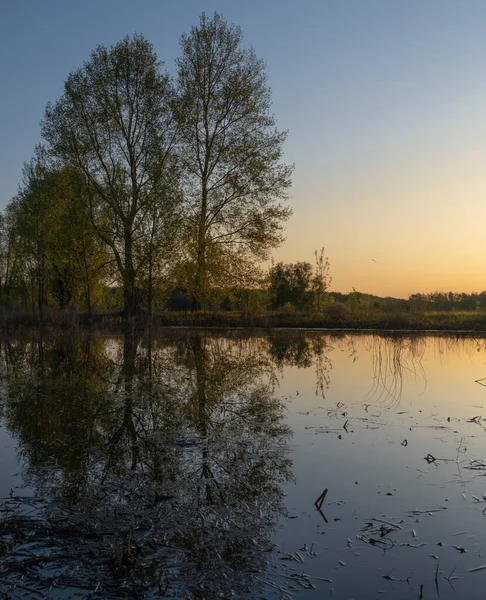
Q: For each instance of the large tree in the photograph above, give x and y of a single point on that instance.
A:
(231, 152)
(113, 123)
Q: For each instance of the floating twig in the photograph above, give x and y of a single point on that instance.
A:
(389, 523)
(320, 500)
(418, 511)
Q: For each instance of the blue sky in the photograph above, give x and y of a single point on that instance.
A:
(384, 101)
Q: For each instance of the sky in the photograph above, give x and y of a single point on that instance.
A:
(384, 102)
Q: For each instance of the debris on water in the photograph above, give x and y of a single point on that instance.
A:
(384, 543)
(476, 465)
(425, 511)
(405, 443)
(302, 579)
(483, 499)
(320, 500)
(481, 568)
(293, 557)
(450, 577)
(414, 545)
(460, 549)
(389, 523)
(391, 578)
(430, 458)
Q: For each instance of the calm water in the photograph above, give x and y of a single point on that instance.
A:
(188, 464)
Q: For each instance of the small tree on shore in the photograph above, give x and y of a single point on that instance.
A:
(321, 280)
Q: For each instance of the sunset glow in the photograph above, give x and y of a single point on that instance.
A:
(385, 105)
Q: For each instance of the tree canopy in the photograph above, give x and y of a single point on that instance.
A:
(231, 153)
(149, 183)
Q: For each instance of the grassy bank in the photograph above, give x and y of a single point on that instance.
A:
(423, 321)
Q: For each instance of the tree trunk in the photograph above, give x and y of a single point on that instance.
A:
(87, 282)
(199, 296)
(129, 299)
(40, 281)
(40, 299)
(149, 290)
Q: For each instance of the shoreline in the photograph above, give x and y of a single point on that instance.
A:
(399, 323)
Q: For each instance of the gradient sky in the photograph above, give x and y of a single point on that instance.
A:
(384, 101)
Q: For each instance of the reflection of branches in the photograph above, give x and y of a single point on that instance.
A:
(172, 485)
(323, 365)
(302, 350)
(394, 358)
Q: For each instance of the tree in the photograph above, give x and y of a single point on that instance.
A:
(160, 237)
(51, 243)
(33, 209)
(321, 280)
(79, 259)
(11, 272)
(231, 152)
(113, 123)
(290, 284)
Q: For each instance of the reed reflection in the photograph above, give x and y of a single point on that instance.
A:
(394, 360)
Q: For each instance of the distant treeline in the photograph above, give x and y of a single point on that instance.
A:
(448, 301)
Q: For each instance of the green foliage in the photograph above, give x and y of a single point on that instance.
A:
(448, 301)
(290, 284)
(114, 125)
(148, 186)
(231, 156)
(321, 280)
(52, 254)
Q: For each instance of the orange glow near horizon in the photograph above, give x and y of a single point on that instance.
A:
(409, 225)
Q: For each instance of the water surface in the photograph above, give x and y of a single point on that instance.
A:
(187, 465)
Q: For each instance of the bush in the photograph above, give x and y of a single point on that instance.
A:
(336, 309)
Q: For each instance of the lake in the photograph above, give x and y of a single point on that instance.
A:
(245, 465)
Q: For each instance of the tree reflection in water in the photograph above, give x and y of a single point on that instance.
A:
(155, 466)
(304, 350)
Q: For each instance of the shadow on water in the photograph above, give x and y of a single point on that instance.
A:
(151, 467)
